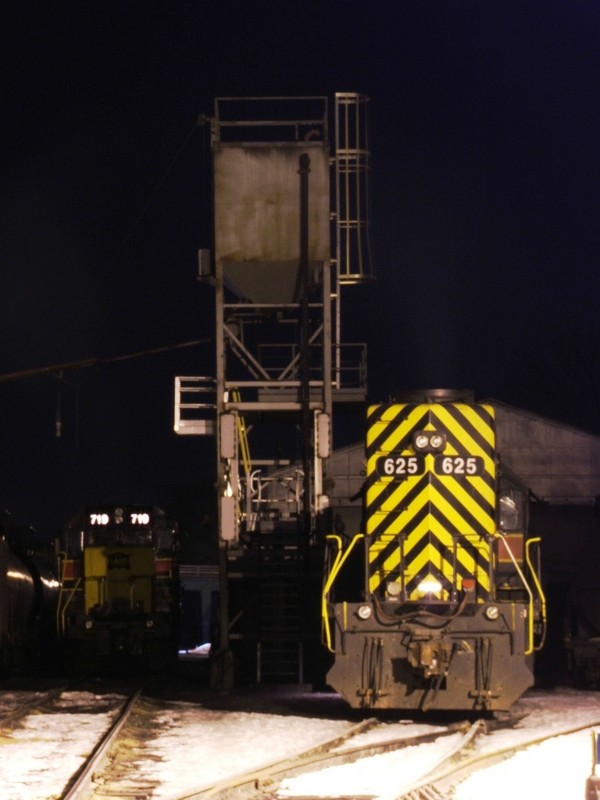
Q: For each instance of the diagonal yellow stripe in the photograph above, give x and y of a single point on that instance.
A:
(423, 529)
(470, 444)
(485, 428)
(390, 507)
(431, 555)
(379, 544)
(462, 500)
(479, 572)
(431, 526)
(385, 424)
(395, 499)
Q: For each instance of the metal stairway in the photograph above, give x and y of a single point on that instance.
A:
(279, 647)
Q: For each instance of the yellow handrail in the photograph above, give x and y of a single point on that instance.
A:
(538, 586)
(243, 436)
(530, 620)
(340, 558)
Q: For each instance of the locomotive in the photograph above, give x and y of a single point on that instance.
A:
(28, 601)
(118, 605)
(448, 610)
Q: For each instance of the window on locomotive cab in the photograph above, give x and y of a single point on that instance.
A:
(511, 508)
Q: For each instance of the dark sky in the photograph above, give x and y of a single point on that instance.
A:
(485, 191)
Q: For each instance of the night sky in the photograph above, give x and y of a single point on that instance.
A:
(485, 132)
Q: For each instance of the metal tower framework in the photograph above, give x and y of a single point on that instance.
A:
(291, 224)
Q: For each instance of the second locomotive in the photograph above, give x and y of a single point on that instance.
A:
(119, 596)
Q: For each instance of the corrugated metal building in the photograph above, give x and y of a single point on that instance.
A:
(559, 463)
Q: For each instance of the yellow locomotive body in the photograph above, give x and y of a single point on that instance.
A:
(451, 609)
(119, 599)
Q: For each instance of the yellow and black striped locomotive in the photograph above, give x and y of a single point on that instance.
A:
(119, 589)
(451, 608)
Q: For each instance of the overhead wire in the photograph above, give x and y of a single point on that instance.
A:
(92, 362)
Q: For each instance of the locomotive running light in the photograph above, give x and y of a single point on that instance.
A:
(393, 589)
(149, 623)
(89, 624)
(364, 612)
(492, 613)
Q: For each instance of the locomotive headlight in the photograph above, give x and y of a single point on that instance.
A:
(492, 613)
(437, 442)
(429, 586)
(364, 612)
(88, 624)
(428, 441)
(421, 441)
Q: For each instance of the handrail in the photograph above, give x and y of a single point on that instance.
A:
(61, 607)
(538, 586)
(530, 647)
(339, 560)
(243, 436)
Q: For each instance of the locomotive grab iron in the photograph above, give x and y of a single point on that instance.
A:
(450, 609)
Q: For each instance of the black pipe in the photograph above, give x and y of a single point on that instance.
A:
(304, 171)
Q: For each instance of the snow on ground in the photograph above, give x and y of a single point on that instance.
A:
(39, 757)
(555, 769)
(204, 752)
(199, 745)
(380, 775)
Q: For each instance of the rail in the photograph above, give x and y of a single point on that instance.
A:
(441, 782)
(80, 784)
(70, 592)
(538, 586)
(531, 647)
(262, 782)
(242, 437)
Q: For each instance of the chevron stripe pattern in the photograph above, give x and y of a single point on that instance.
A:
(433, 521)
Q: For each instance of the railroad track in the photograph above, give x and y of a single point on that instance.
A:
(263, 782)
(46, 735)
(441, 783)
(80, 785)
(109, 772)
(18, 705)
(24, 703)
(137, 747)
(438, 781)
